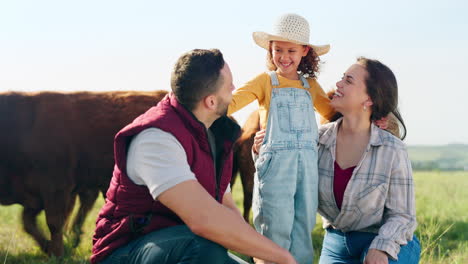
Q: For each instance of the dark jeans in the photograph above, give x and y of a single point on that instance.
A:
(352, 247)
(173, 245)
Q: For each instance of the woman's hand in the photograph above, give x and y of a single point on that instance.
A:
(258, 140)
(375, 256)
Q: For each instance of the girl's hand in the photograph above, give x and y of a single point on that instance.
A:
(389, 123)
(382, 123)
(258, 140)
(375, 256)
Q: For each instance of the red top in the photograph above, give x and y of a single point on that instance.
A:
(340, 182)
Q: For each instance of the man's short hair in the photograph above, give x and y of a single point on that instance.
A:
(197, 74)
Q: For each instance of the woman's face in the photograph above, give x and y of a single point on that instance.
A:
(351, 93)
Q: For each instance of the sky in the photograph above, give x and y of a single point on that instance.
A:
(103, 45)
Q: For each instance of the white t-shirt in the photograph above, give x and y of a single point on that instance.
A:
(157, 160)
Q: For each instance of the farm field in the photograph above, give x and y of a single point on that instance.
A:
(442, 208)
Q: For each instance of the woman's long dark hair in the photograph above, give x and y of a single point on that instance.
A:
(382, 88)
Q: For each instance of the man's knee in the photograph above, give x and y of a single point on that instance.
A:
(177, 244)
(210, 252)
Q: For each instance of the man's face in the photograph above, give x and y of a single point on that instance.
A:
(224, 94)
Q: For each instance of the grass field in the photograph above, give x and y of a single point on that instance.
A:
(442, 207)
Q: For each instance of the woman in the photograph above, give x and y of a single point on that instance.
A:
(366, 192)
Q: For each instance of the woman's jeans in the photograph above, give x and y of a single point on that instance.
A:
(352, 247)
(172, 245)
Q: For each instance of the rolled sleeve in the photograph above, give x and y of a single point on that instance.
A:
(157, 160)
(399, 212)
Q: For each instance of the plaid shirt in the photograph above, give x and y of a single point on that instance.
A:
(379, 197)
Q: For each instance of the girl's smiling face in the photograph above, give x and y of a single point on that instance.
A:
(287, 57)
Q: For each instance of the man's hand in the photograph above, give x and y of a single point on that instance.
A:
(219, 223)
(375, 256)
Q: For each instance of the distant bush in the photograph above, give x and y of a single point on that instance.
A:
(436, 166)
(452, 157)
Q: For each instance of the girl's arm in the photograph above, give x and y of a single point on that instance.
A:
(252, 90)
(321, 101)
(399, 213)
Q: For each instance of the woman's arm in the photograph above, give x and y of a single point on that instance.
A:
(399, 212)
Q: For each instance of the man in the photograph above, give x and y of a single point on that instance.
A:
(169, 200)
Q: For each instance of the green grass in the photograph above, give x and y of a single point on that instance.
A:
(442, 212)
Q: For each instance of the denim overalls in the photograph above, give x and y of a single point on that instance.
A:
(285, 186)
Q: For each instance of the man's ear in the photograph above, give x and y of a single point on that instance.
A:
(210, 102)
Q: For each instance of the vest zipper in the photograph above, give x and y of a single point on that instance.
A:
(218, 182)
(216, 189)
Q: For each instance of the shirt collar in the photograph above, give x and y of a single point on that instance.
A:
(328, 137)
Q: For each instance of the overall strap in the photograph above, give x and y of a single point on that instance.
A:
(304, 81)
(275, 81)
(274, 78)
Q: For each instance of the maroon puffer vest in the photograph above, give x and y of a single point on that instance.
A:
(130, 211)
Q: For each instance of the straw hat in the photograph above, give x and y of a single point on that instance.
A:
(291, 28)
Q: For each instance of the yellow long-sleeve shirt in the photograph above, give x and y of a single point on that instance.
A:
(259, 88)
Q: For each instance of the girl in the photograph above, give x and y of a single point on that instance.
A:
(285, 185)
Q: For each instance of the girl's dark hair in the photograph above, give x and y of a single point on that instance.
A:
(309, 65)
(382, 88)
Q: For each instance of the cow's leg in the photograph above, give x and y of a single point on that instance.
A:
(30, 226)
(247, 178)
(57, 208)
(103, 190)
(87, 199)
(235, 166)
(246, 170)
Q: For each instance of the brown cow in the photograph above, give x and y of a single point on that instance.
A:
(56, 146)
(243, 162)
